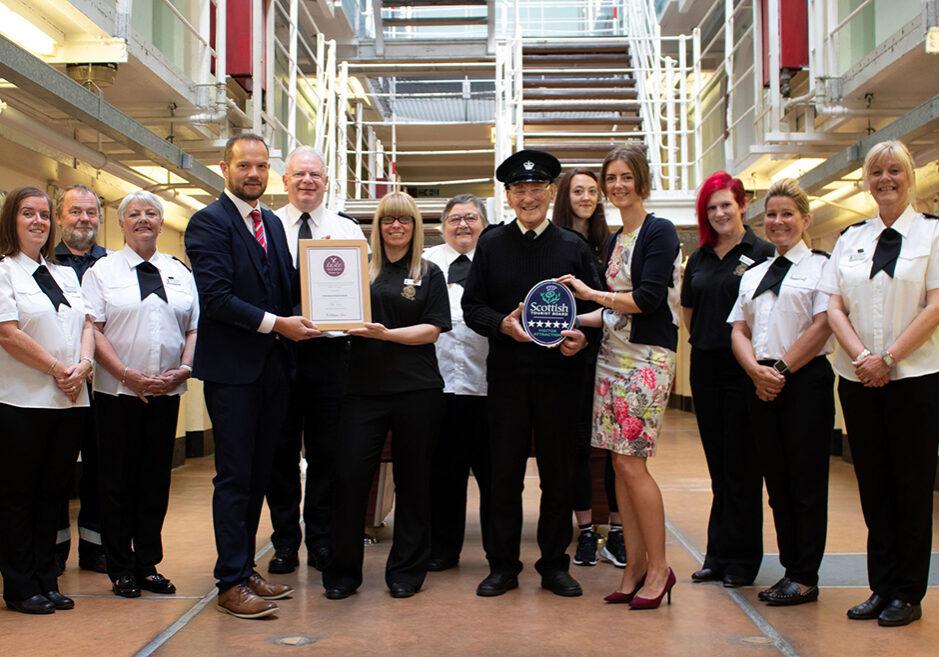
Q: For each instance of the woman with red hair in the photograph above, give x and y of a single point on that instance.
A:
(719, 385)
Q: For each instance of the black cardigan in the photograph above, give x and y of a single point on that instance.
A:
(652, 272)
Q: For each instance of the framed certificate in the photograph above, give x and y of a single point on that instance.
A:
(334, 283)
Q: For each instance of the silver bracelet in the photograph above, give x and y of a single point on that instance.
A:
(188, 368)
(861, 356)
(91, 361)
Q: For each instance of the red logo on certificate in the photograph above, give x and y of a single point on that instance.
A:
(334, 266)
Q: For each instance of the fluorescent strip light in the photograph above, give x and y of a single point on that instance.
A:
(21, 31)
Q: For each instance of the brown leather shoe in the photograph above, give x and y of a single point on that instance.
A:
(240, 602)
(262, 588)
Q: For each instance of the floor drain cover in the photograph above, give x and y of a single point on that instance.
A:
(294, 641)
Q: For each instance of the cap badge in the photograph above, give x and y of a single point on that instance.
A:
(529, 165)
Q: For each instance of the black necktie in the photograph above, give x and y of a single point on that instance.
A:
(885, 255)
(531, 235)
(774, 276)
(51, 289)
(150, 282)
(306, 233)
(459, 269)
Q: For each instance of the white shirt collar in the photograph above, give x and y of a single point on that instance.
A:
(796, 253)
(293, 214)
(243, 207)
(901, 225)
(450, 254)
(539, 229)
(133, 258)
(28, 264)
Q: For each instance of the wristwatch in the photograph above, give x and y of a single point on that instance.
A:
(780, 366)
(888, 358)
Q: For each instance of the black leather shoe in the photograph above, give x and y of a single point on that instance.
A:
(38, 604)
(437, 565)
(283, 562)
(869, 609)
(736, 581)
(790, 594)
(339, 592)
(60, 602)
(496, 584)
(399, 590)
(765, 594)
(317, 558)
(97, 563)
(156, 583)
(706, 575)
(126, 587)
(561, 583)
(899, 613)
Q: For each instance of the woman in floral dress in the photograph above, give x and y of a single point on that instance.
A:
(635, 366)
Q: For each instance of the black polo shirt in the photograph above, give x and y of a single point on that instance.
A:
(711, 284)
(380, 367)
(80, 263)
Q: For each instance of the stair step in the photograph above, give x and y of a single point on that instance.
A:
(580, 147)
(551, 48)
(533, 82)
(572, 94)
(625, 106)
(431, 3)
(435, 22)
(531, 119)
(587, 59)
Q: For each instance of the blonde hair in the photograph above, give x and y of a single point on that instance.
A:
(789, 188)
(900, 153)
(397, 204)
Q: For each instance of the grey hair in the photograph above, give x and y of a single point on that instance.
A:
(78, 189)
(464, 198)
(305, 149)
(139, 195)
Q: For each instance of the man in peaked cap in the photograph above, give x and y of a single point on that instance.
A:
(531, 388)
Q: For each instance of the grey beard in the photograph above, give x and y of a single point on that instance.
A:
(79, 241)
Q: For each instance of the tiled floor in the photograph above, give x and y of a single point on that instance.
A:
(447, 618)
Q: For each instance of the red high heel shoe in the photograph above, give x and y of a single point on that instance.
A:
(618, 597)
(653, 603)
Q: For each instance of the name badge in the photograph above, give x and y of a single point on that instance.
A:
(173, 281)
(408, 281)
(743, 265)
(71, 289)
(855, 257)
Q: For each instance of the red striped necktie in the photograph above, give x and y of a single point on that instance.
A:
(259, 229)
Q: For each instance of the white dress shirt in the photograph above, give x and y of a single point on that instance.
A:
(776, 322)
(147, 335)
(245, 210)
(461, 352)
(323, 223)
(539, 229)
(881, 308)
(58, 332)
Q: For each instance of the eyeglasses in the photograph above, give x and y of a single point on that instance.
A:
(455, 219)
(534, 192)
(404, 221)
(300, 175)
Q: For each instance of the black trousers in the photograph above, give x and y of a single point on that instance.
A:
(38, 447)
(89, 512)
(894, 440)
(735, 525)
(313, 421)
(582, 481)
(414, 421)
(793, 435)
(247, 423)
(534, 406)
(136, 450)
(463, 445)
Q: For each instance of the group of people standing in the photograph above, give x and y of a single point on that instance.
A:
(447, 367)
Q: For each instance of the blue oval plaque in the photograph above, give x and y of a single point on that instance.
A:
(549, 309)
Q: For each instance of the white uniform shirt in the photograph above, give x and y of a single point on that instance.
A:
(323, 223)
(881, 308)
(776, 322)
(147, 335)
(461, 352)
(58, 332)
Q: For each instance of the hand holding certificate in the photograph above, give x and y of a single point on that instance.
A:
(334, 283)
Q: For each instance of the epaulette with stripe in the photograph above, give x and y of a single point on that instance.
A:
(860, 223)
(349, 217)
(182, 263)
(929, 215)
(821, 252)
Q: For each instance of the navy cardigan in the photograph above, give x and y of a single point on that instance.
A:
(652, 272)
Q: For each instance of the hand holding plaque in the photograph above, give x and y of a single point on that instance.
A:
(548, 310)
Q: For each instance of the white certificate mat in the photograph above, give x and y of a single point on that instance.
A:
(334, 283)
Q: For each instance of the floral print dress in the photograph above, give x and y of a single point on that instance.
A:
(633, 380)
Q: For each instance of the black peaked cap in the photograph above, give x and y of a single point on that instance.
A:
(528, 166)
